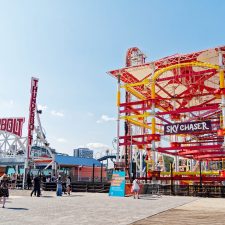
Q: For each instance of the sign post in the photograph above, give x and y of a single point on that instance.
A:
(32, 109)
(117, 188)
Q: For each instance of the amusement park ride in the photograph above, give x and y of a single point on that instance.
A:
(26, 151)
(174, 106)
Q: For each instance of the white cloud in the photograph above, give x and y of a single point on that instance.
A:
(105, 118)
(61, 140)
(42, 107)
(97, 146)
(58, 114)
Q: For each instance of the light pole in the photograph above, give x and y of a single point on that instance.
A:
(107, 153)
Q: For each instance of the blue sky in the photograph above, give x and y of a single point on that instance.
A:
(70, 45)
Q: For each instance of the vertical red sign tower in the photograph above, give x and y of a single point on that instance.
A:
(34, 88)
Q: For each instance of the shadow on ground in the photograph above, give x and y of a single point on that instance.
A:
(16, 208)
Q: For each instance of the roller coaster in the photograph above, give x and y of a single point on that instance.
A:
(174, 106)
(25, 151)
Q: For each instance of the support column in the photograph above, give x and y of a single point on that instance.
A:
(153, 143)
(118, 119)
(153, 122)
(141, 162)
(93, 173)
(25, 172)
(191, 165)
(101, 171)
(131, 153)
(200, 171)
(17, 169)
(176, 164)
(221, 74)
(53, 164)
(171, 177)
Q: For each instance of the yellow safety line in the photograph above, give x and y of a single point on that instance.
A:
(221, 78)
(118, 98)
(223, 163)
(137, 123)
(191, 173)
(179, 65)
(153, 125)
(135, 93)
(144, 82)
(146, 114)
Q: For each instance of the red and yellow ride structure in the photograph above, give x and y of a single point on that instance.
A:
(182, 88)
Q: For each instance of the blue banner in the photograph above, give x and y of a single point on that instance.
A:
(117, 187)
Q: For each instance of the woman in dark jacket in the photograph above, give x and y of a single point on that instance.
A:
(4, 191)
(29, 181)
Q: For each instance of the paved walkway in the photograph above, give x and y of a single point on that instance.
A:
(203, 211)
(83, 208)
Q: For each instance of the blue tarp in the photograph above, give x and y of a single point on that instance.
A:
(76, 161)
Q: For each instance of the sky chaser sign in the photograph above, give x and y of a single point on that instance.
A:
(183, 128)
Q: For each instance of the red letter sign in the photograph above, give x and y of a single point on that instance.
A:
(34, 87)
(12, 125)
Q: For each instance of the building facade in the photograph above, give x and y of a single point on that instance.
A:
(82, 169)
(83, 153)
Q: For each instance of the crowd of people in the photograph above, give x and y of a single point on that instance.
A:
(60, 189)
(34, 183)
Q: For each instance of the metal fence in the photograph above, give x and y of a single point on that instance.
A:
(185, 190)
(100, 187)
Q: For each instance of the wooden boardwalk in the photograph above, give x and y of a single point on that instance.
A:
(203, 211)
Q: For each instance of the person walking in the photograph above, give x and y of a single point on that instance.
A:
(37, 187)
(29, 181)
(135, 188)
(68, 185)
(59, 186)
(4, 191)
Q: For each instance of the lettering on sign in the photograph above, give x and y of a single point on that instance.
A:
(12, 125)
(117, 180)
(34, 88)
(183, 128)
